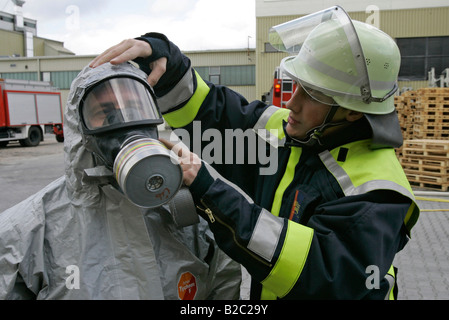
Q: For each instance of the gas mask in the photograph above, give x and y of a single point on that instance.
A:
(119, 119)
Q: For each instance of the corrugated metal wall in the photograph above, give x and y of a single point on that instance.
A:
(424, 22)
(221, 58)
(226, 58)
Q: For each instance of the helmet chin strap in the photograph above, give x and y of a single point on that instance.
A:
(313, 136)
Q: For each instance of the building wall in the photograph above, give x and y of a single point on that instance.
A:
(231, 59)
(11, 43)
(61, 70)
(398, 22)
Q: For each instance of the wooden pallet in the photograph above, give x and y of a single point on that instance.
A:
(424, 119)
(426, 163)
(433, 92)
(426, 178)
(431, 186)
(432, 125)
(435, 166)
(428, 145)
(432, 106)
(435, 116)
(440, 99)
(420, 133)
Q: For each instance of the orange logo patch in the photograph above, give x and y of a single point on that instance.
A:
(187, 286)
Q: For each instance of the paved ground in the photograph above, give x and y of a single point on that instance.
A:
(423, 264)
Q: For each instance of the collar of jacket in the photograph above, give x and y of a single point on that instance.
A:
(359, 130)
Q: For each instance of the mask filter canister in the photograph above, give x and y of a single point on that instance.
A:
(147, 173)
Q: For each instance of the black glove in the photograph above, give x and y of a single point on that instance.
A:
(177, 63)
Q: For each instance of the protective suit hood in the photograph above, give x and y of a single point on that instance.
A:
(80, 163)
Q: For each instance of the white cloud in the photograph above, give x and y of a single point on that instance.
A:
(191, 24)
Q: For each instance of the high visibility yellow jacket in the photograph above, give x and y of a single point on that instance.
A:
(313, 222)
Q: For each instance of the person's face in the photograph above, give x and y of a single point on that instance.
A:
(103, 104)
(308, 113)
(305, 113)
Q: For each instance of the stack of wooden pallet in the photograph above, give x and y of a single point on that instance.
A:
(405, 106)
(426, 163)
(432, 114)
(424, 119)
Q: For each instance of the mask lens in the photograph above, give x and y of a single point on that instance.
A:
(118, 101)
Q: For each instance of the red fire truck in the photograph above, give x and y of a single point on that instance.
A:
(283, 88)
(28, 109)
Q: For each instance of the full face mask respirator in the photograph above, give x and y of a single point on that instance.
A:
(119, 119)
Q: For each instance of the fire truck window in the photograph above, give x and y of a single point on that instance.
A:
(287, 86)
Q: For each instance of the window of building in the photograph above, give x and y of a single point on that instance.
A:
(419, 55)
(269, 48)
(214, 75)
(63, 79)
(229, 75)
(59, 79)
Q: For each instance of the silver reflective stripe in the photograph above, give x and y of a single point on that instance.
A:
(270, 138)
(391, 282)
(308, 58)
(338, 172)
(266, 234)
(215, 175)
(263, 119)
(264, 133)
(182, 92)
(348, 187)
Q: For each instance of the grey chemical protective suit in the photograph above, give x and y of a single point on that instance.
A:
(81, 238)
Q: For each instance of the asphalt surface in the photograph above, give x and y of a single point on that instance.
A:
(423, 264)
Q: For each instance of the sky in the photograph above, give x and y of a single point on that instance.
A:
(92, 26)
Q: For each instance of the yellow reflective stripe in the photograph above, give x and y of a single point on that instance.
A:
(385, 172)
(186, 114)
(286, 180)
(274, 123)
(290, 263)
(383, 165)
(267, 295)
(412, 216)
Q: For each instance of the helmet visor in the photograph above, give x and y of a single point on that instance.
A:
(330, 57)
(118, 102)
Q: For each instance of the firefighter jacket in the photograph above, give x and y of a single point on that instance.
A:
(326, 223)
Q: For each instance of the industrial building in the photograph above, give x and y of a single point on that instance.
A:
(420, 29)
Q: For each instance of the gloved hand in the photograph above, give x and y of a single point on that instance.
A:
(155, 54)
(190, 162)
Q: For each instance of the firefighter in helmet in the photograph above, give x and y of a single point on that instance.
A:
(338, 204)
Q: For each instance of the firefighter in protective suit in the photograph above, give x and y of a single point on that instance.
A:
(82, 237)
(328, 222)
